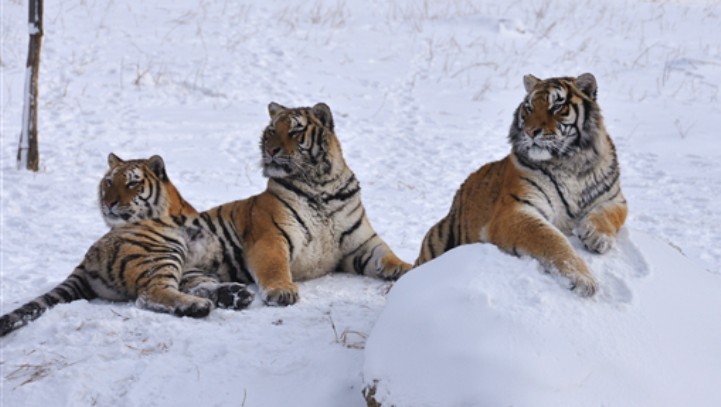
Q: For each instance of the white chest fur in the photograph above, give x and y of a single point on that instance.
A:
(564, 197)
(316, 250)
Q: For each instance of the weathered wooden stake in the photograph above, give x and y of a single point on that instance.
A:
(28, 154)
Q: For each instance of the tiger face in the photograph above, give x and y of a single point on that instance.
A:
(133, 190)
(298, 142)
(556, 118)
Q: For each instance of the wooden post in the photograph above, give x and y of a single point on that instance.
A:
(28, 154)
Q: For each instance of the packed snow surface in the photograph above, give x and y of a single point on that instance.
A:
(422, 94)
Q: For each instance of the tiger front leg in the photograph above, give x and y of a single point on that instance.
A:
(268, 260)
(598, 229)
(157, 290)
(520, 233)
(374, 258)
(228, 295)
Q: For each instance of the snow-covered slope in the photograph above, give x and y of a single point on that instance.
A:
(477, 327)
(423, 93)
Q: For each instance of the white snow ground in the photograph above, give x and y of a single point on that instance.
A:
(422, 93)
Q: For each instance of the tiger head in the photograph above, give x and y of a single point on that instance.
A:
(134, 190)
(300, 143)
(558, 118)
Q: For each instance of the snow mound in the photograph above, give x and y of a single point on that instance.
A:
(479, 327)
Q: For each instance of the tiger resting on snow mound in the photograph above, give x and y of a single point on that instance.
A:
(561, 178)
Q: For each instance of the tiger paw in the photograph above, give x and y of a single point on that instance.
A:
(281, 296)
(594, 240)
(584, 285)
(234, 296)
(575, 275)
(196, 308)
(393, 270)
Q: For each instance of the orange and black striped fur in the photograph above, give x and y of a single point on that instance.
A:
(309, 221)
(134, 190)
(159, 261)
(561, 178)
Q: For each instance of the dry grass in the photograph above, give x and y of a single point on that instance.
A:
(30, 373)
(318, 13)
(150, 349)
(349, 338)
(369, 393)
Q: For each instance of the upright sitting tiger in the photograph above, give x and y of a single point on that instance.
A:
(134, 259)
(309, 222)
(133, 190)
(561, 177)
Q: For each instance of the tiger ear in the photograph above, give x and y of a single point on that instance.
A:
(114, 160)
(529, 82)
(322, 112)
(587, 84)
(157, 165)
(274, 109)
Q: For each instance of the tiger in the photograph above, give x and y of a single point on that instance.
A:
(133, 190)
(130, 192)
(308, 222)
(561, 178)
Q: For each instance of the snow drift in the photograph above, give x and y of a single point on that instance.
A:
(477, 327)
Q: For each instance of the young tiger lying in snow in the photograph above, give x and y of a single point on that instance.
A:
(139, 260)
(561, 177)
(135, 190)
(309, 222)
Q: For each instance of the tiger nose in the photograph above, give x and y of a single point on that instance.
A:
(273, 151)
(110, 204)
(532, 131)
